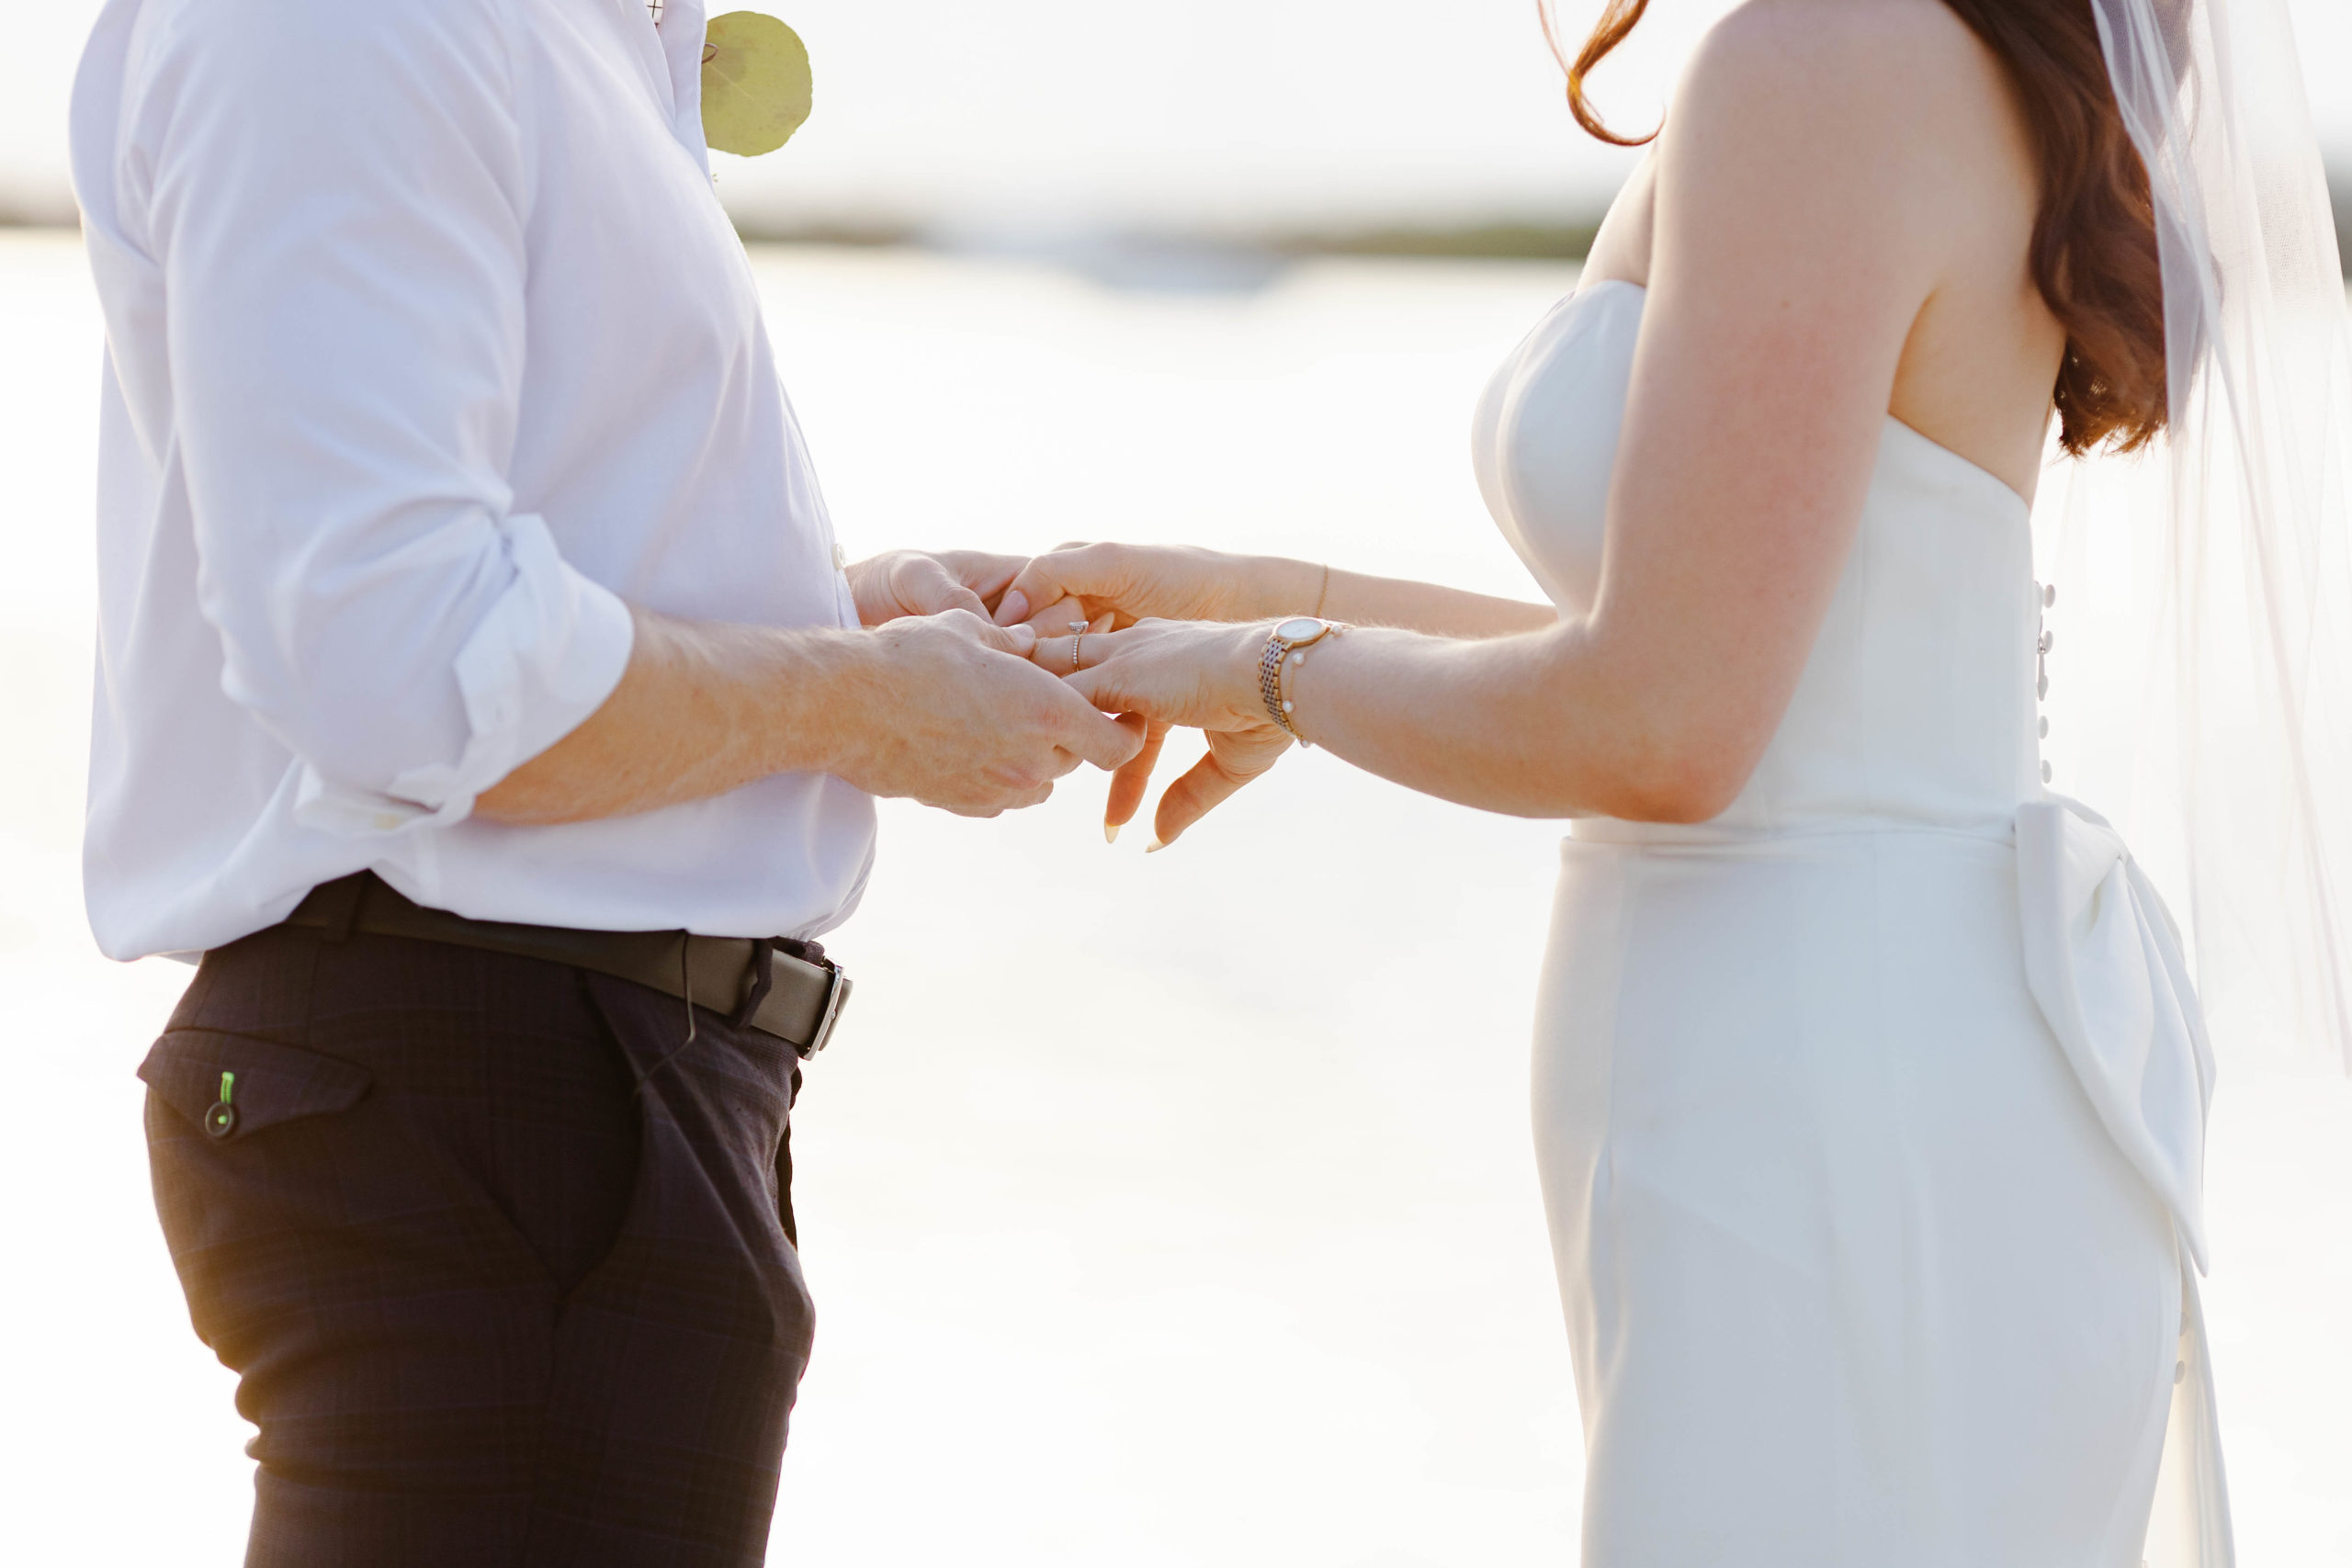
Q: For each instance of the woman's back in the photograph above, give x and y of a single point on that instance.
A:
(1983, 348)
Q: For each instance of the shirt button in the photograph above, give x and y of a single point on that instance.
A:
(2180, 1372)
(841, 556)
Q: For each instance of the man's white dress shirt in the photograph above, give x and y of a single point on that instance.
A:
(429, 345)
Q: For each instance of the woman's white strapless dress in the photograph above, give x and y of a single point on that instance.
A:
(1870, 1114)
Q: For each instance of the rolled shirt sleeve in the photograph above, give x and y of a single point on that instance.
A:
(338, 195)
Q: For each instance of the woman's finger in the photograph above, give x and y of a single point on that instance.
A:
(1065, 570)
(1054, 619)
(1205, 785)
(1035, 586)
(1069, 654)
(1131, 782)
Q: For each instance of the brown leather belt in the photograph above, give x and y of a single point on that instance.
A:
(761, 981)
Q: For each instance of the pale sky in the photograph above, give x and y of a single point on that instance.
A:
(1079, 114)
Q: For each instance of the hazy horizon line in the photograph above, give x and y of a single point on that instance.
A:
(1562, 233)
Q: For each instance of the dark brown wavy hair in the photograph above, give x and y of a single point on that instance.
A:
(2093, 252)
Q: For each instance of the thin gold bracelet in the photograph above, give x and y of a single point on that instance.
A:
(1324, 592)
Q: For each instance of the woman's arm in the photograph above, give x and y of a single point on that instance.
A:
(1428, 608)
(1133, 582)
(1821, 168)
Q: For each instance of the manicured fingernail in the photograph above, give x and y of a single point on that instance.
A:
(1110, 832)
(1154, 847)
(1012, 607)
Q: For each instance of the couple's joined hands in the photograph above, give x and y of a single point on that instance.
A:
(974, 729)
(1159, 651)
(951, 694)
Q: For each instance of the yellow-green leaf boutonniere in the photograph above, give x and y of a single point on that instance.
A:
(756, 90)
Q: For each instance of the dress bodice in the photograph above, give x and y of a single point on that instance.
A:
(1917, 705)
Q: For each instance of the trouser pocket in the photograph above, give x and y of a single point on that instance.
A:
(236, 1126)
(229, 1086)
(391, 1330)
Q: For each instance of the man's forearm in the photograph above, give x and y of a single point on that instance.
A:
(702, 709)
(945, 709)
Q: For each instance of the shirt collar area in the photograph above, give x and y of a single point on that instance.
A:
(670, 53)
(681, 38)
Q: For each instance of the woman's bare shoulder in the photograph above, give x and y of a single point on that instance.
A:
(1862, 104)
(1902, 45)
(1898, 75)
(1828, 125)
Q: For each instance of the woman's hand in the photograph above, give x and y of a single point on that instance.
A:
(1194, 674)
(1169, 583)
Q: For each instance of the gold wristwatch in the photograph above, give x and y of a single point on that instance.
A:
(1283, 646)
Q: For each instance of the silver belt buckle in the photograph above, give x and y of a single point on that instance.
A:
(837, 992)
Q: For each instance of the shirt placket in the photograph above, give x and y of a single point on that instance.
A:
(678, 24)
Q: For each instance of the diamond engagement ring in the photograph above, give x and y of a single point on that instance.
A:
(1077, 636)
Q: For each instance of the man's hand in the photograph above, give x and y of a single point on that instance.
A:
(897, 583)
(960, 719)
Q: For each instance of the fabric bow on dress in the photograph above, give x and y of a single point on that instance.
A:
(2103, 960)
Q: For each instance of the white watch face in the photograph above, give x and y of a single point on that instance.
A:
(1300, 630)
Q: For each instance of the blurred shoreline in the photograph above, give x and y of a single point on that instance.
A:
(1179, 257)
(1508, 238)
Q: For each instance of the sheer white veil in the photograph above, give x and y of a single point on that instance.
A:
(2201, 666)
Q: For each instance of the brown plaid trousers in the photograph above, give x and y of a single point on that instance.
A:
(490, 1301)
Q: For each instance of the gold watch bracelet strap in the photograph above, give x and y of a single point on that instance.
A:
(1280, 655)
(1269, 679)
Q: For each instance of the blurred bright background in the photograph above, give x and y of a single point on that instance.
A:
(1131, 1247)
(1030, 122)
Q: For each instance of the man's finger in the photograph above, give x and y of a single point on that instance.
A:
(1019, 641)
(1101, 740)
(958, 597)
(985, 575)
(1133, 780)
(1100, 687)
(1103, 686)
(927, 588)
